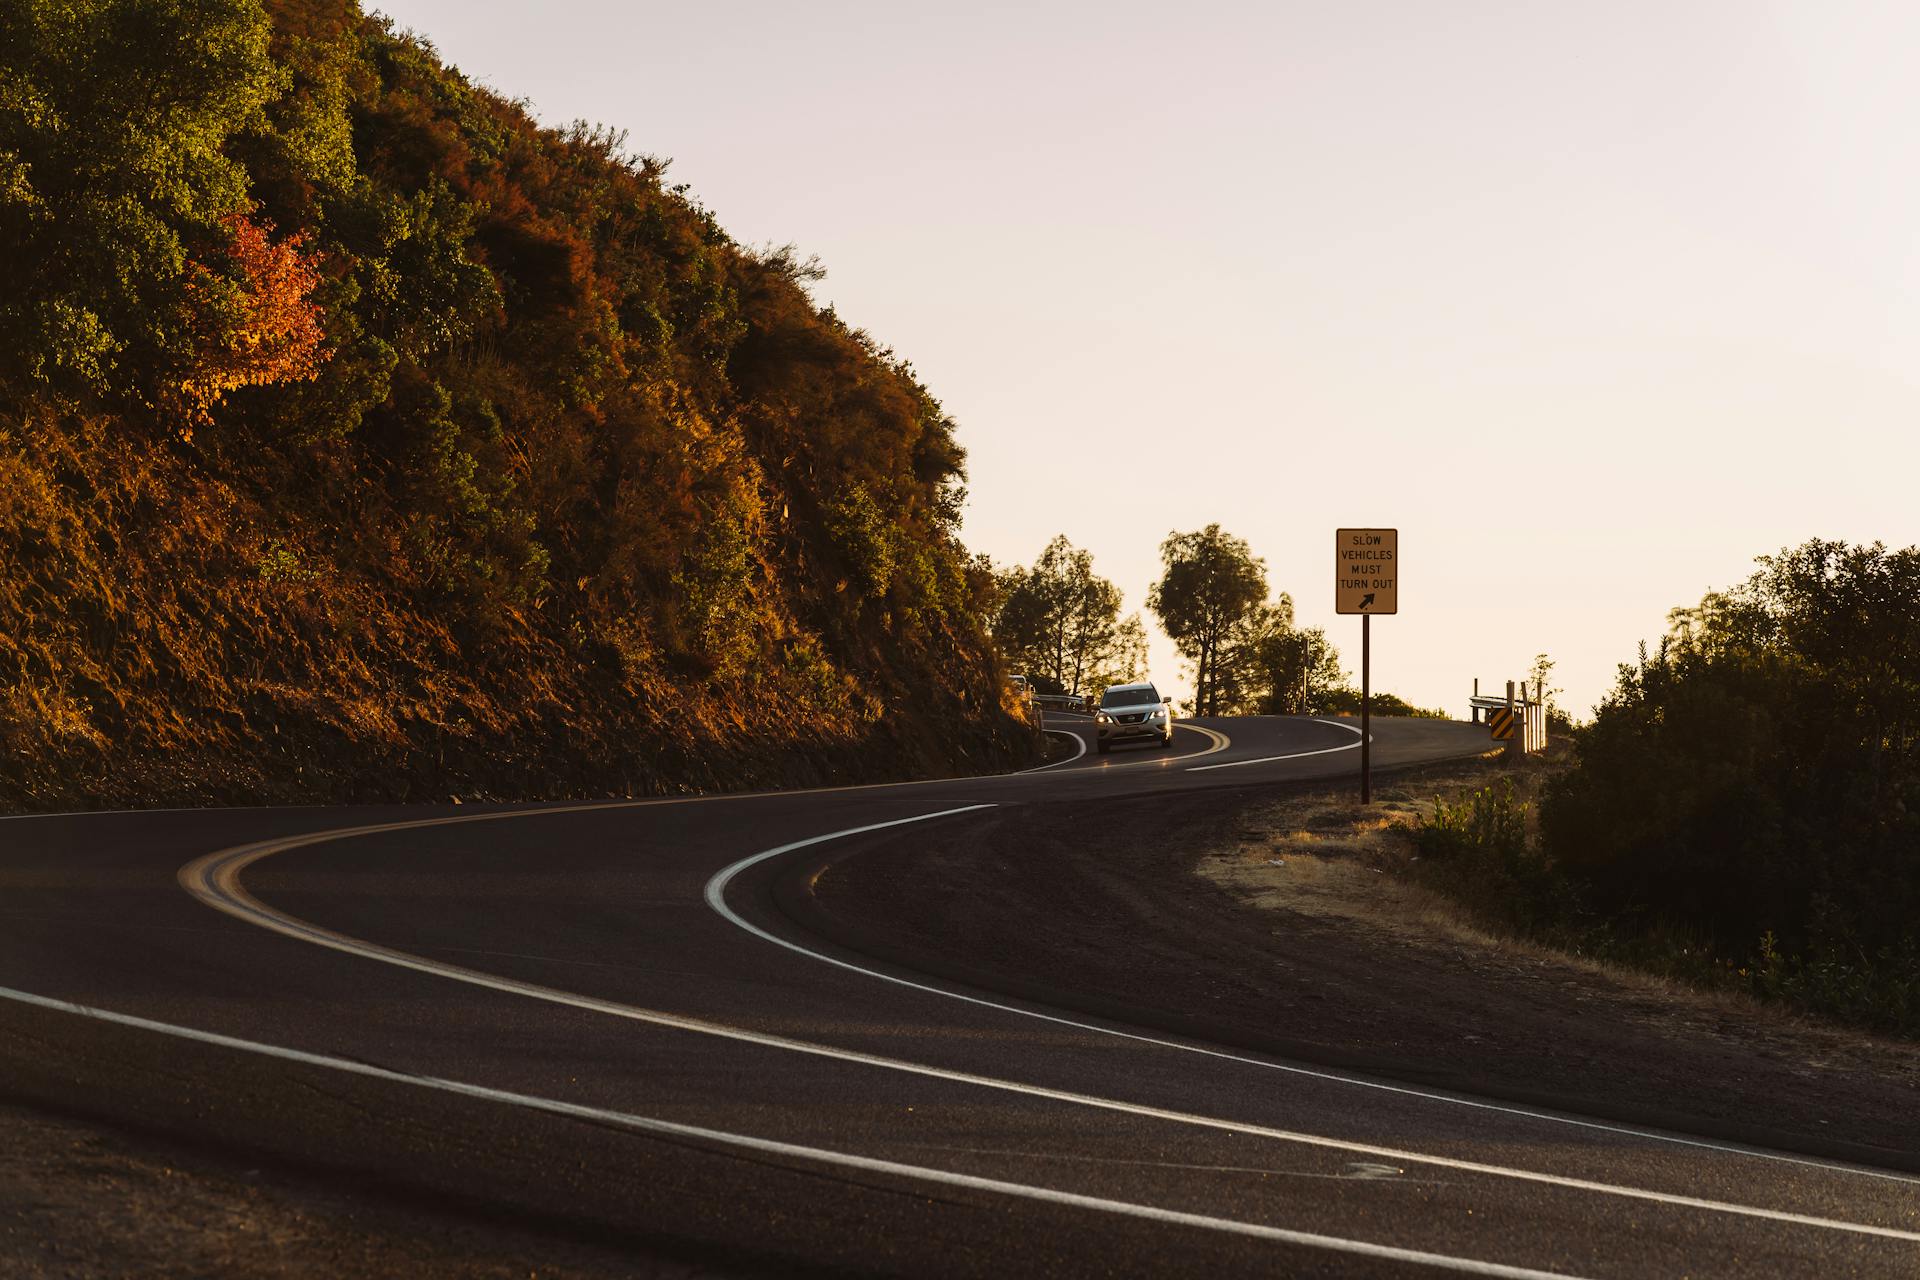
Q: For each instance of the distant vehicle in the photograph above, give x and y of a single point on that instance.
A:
(1132, 711)
(1021, 687)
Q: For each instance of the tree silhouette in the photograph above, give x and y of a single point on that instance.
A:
(1211, 589)
(1062, 621)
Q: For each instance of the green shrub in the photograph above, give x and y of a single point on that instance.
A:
(1757, 776)
(1758, 772)
(1346, 701)
(1478, 851)
(1878, 989)
(1490, 822)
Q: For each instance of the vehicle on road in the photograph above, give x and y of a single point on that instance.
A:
(1131, 712)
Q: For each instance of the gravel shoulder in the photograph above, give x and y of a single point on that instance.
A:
(80, 1199)
(1266, 918)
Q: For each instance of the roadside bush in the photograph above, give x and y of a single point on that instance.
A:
(1754, 781)
(1879, 989)
(1345, 701)
(1478, 851)
(1488, 822)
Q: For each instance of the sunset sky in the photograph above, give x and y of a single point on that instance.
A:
(1595, 303)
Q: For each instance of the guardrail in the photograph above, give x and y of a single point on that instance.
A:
(1528, 711)
(1060, 701)
(1481, 703)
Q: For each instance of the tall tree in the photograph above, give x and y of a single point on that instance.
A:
(1062, 621)
(1268, 666)
(1298, 668)
(1208, 597)
(1241, 678)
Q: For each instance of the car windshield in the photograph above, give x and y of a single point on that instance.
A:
(1134, 697)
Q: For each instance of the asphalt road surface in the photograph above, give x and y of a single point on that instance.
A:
(595, 1018)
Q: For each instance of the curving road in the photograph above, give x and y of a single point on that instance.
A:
(595, 1016)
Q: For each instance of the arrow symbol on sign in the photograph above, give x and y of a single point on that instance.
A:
(1366, 600)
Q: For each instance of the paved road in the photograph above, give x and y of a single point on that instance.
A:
(594, 1016)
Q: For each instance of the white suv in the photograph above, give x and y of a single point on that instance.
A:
(1130, 711)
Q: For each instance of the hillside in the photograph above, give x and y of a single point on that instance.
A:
(362, 439)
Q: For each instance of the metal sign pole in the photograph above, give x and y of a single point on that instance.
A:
(1366, 708)
(1366, 581)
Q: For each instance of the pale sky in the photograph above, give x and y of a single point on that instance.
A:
(1594, 302)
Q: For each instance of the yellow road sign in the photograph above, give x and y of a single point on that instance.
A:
(1501, 722)
(1366, 571)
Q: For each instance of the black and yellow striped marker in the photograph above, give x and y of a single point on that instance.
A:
(1501, 722)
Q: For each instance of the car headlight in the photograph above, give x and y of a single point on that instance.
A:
(1101, 717)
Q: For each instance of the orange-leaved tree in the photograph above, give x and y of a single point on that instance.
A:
(252, 317)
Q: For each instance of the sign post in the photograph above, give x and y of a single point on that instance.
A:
(1366, 578)
(1366, 708)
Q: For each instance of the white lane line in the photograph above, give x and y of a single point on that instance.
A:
(1359, 1172)
(1297, 755)
(1080, 745)
(214, 879)
(716, 899)
(1220, 743)
(769, 1146)
(123, 813)
(712, 797)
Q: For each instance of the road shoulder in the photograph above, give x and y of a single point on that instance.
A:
(1160, 912)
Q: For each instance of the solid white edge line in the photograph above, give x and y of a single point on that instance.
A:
(1220, 743)
(142, 813)
(1298, 755)
(716, 899)
(769, 1146)
(1078, 741)
(612, 802)
(214, 879)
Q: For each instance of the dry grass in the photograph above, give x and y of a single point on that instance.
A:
(1323, 854)
(1325, 857)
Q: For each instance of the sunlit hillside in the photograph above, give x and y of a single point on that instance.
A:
(361, 438)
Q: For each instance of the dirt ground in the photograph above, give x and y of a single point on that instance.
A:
(1325, 857)
(80, 1200)
(1271, 918)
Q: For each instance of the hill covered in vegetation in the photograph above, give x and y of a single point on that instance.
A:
(361, 438)
(1743, 811)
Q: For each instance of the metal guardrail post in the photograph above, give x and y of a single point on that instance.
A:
(1526, 704)
(1517, 744)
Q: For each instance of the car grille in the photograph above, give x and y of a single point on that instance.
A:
(1132, 718)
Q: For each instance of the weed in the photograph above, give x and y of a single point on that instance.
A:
(1478, 850)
